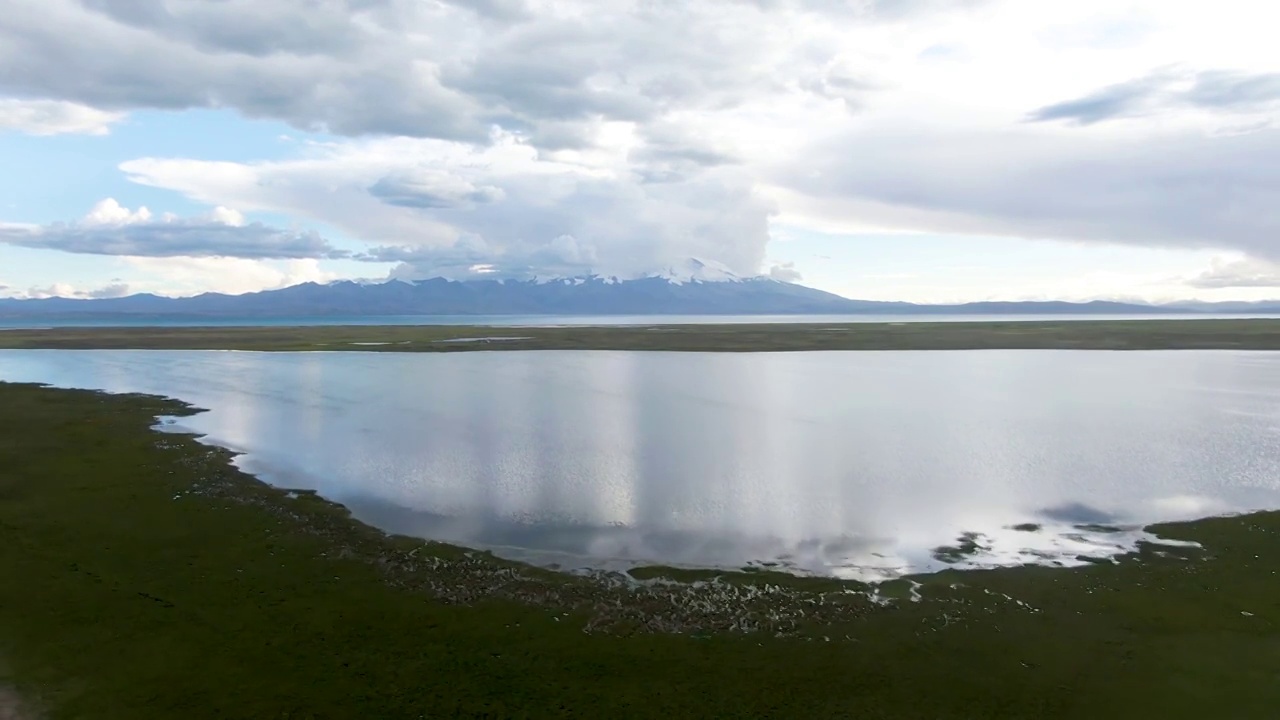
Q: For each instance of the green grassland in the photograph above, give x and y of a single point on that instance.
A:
(143, 576)
(1083, 334)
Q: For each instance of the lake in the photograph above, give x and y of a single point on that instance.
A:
(854, 464)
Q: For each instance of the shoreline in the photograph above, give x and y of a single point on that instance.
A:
(173, 559)
(964, 545)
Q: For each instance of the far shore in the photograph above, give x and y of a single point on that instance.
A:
(1155, 334)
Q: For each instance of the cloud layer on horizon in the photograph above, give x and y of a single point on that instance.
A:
(110, 229)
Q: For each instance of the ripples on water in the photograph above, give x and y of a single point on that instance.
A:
(855, 464)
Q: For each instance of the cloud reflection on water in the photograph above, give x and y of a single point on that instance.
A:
(856, 464)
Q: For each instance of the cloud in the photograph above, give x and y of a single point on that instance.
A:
(185, 276)
(110, 229)
(441, 208)
(67, 290)
(525, 137)
(563, 256)
(111, 212)
(450, 70)
(114, 290)
(1225, 90)
(1178, 188)
(1245, 273)
(194, 275)
(348, 66)
(55, 290)
(785, 272)
(54, 117)
(1218, 91)
(1124, 99)
(427, 189)
(672, 150)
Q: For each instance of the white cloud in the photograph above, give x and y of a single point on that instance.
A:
(110, 212)
(227, 216)
(55, 117)
(110, 229)
(177, 276)
(185, 276)
(1239, 273)
(67, 290)
(443, 207)
(786, 272)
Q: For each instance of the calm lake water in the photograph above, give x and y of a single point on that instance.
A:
(845, 463)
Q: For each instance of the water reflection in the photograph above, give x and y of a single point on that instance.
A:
(859, 464)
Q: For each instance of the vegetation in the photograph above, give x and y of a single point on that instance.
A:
(1251, 334)
(141, 576)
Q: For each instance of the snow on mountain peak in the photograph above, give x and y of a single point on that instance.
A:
(688, 270)
(694, 269)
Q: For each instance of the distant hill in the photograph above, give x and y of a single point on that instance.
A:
(661, 295)
(1264, 307)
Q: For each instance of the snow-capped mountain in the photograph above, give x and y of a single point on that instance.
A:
(689, 269)
(695, 287)
(697, 270)
(683, 290)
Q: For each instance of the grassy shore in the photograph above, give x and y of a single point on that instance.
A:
(143, 576)
(1084, 334)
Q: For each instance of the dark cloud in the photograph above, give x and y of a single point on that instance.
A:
(882, 10)
(248, 27)
(346, 67)
(1120, 100)
(343, 66)
(1212, 90)
(670, 152)
(553, 71)
(450, 70)
(174, 238)
(501, 10)
(427, 190)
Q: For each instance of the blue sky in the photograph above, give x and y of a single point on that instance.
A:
(925, 150)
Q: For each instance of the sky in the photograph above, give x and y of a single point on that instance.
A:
(920, 150)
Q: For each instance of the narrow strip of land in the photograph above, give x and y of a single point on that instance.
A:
(1251, 334)
(142, 575)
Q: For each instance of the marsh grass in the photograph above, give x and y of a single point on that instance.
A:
(1244, 334)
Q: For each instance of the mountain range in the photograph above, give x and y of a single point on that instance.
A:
(658, 295)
